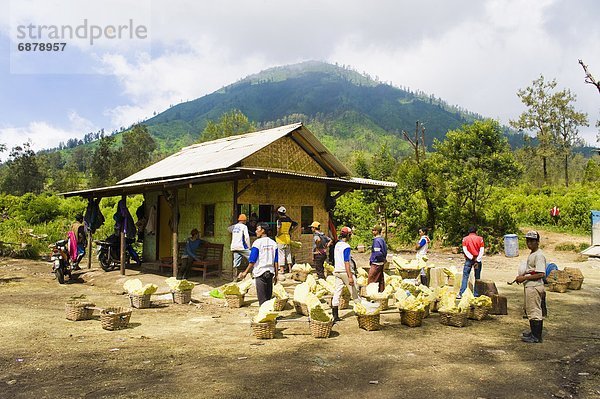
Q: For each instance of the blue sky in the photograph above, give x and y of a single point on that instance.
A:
(471, 53)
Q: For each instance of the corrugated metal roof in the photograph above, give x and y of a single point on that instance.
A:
(356, 182)
(139, 187)
(224, 153)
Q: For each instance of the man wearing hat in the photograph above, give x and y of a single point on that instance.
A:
(343, 272)
(531, 277)
(240, 242)
(285, 225)
(320, 244)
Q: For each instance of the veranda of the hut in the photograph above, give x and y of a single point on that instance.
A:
(252, 173)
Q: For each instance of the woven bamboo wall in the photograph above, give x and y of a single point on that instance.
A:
(293, 194)
(191, 216)
(286, 155)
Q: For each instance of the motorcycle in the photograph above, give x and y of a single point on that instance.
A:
(109, 253)
(61, 266)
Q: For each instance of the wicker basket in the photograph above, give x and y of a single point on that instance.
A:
(235, 301)
(300, 276)
(453, 319)
(301, 308)
(558, 287)
(410, 273)
(412, 318)
(575, 284)
(115, 318)
(139, 301)
(264, 330)
(279, 304)
(344, 302)
(478, 312)
(320, 329)
(182, 297)
(76, 311)
(384, 304)
(368, 322)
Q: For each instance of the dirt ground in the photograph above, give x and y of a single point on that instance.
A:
(207, 350)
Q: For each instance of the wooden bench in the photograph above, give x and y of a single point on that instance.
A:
(211, 257)
(210, 254)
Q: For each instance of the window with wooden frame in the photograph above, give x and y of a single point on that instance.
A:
(208, 229)
(306, 218)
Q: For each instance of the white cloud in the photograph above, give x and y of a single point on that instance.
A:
(44, 135)
(480, 64)
(475, 54)
(152, 85)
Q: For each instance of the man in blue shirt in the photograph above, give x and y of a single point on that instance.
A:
(378, 258)
(191, 248)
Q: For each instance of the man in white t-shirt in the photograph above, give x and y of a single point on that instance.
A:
(531, 277)
(263, 263)
(240, 242)
(343, 272)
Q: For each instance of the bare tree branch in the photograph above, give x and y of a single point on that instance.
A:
(588, 76)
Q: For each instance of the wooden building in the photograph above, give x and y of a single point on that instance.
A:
(209, 184)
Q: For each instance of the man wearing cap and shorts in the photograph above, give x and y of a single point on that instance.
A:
(320, 244)
(285, 225)
(343, 272)
(240, 242)
(473, 249)
(532, 278)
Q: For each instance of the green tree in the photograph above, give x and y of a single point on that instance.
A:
(23, 173)
(136, 151)
(80, 158)
(103, 163)
(472, 160)
(230, 123)
(566, 121)
(538, 117)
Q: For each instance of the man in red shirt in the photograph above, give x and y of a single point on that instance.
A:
(555, 214)
(473, 249)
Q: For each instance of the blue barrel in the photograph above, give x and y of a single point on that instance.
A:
(511, 245)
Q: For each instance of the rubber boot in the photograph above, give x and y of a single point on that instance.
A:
(539, 324)
(536, 332)
(336, 314)
(544, 308)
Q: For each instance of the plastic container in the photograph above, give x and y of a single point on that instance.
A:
(511, 245)
(595, 216)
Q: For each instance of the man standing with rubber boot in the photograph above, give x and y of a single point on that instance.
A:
(534, 287)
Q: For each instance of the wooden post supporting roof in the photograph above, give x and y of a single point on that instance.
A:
(89, 249)
(123, 224)
(175, 224)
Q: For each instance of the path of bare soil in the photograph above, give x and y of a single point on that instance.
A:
(206, 350)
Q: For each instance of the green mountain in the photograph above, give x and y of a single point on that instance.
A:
(347, 110)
